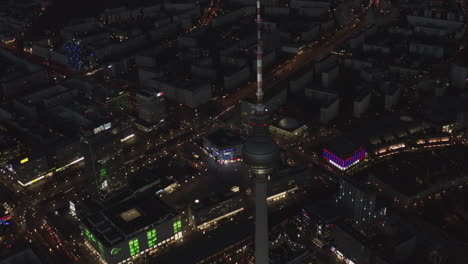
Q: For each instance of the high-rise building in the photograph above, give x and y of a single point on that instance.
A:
(102, 151)
(359, 202)
(261, 153)
(151, 107)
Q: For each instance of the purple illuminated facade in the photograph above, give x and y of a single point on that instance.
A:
(344, 163)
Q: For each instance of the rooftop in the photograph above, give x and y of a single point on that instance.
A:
(204, 246)
(411, 173)
(112, 221)
(222, 137)
(289, 124)
(325, 210)
(341, 146)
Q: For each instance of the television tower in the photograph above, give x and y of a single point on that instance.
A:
(261, 155)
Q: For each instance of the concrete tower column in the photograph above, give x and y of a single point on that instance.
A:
(261, 219)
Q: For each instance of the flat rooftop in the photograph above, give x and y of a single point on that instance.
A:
(222, 137)
(341, 146)
(204, 246)
(326, 210)
(412, 172)
(114, 220)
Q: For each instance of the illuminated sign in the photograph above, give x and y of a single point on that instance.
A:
(24, 160)
(72, 209)
(115, 251)
(31, 182)
(344, 164)
(5, 218)
(101, 128)
(127, 137)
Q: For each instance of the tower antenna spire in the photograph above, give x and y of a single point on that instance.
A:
(260, 107)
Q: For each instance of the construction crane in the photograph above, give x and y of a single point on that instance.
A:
(209, 13)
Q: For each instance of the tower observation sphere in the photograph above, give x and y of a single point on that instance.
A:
(261, 154)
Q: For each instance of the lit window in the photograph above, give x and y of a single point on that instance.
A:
(177, 226)
(90, 235)
(134, 246)
(151, 235)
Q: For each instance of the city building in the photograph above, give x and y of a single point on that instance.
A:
(289, 128)
(459, 75)
(226, 244)
(191, 93)
(343, 154)
(104, 158)
(422, 174)
(223, 145)
(316, 222)
(28, 170)
(351, 246)
(151, 109)
(209, 213)
(19, 75)
(128, 228)
(285, 250)
(112, 101)
(9, 147)
(361, 103)
(329, 110)
(26, 255)
(359, 203)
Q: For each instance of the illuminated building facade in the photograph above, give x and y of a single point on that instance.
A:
(120, 232)
(223, 145)
(116, 103)
(344, 163)
(104, 158)
(210, 213)
(29, 170)
(5, 218)
(78, 56)
(359, 203)
(343, 154)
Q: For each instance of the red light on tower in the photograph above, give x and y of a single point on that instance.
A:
(264, 124)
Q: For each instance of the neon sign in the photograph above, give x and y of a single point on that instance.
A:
(344, 164)
(115, 251)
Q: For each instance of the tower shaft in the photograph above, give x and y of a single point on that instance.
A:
(261, 220)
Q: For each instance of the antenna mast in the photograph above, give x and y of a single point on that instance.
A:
(260, 107)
